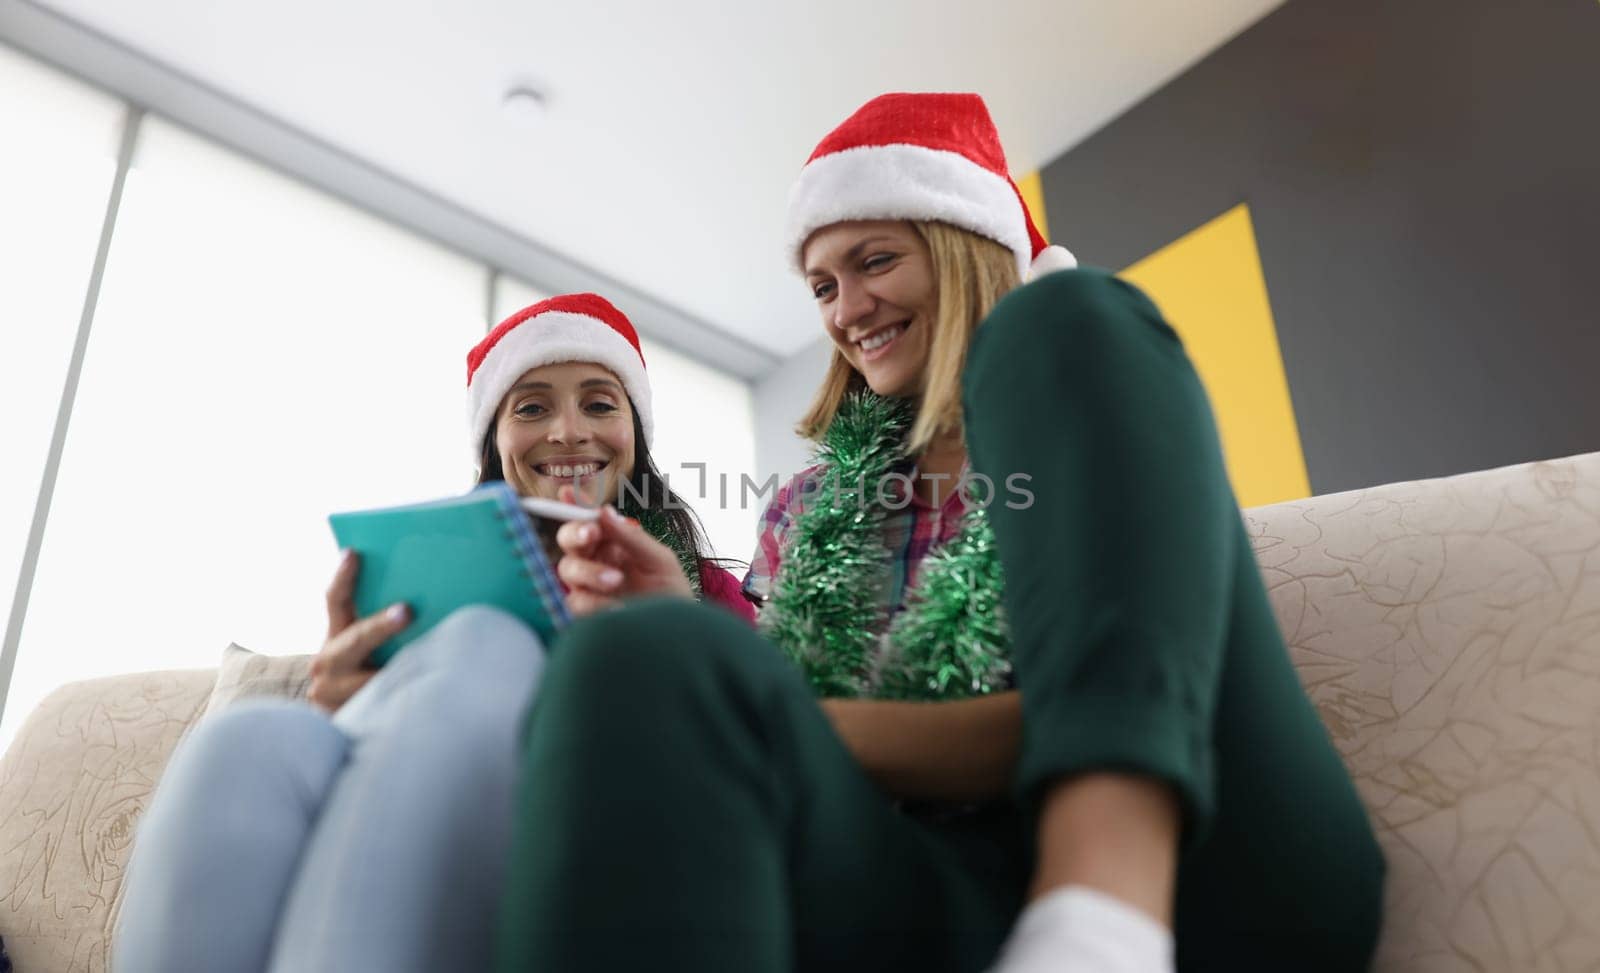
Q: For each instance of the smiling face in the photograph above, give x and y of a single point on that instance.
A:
(873, 282)
(569, 424)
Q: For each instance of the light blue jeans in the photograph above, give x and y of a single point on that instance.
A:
(282, 839)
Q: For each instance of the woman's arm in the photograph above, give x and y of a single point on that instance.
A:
(965, 750)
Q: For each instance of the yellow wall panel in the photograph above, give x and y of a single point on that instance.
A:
(1209, 285)
(1033, 194)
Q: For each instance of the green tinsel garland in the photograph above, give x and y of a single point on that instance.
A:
(825, 599)
(950, 641)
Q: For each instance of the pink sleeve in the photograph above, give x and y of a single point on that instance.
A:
(722, 587)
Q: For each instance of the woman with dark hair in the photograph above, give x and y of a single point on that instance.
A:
(560, 406)
(369, 829)
(605, 391)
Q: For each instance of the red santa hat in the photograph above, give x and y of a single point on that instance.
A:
(568, 328)
(919, 157)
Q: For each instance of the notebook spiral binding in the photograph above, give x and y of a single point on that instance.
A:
(535, 566)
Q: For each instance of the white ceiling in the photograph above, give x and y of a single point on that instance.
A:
(674, 128)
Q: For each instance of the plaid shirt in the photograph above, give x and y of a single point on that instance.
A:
(909, 533)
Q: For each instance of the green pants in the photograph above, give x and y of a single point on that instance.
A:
(686, 805)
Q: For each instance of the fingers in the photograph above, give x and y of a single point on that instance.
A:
(584, 603)
(358, 641)
(332, 692)
(346, 651)
(341, 593)
(578, 537)
(612, 557)
(580, 573)
(623, 530)
(336, 672)
(610, 552)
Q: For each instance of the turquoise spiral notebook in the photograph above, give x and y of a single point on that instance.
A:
(476, 549)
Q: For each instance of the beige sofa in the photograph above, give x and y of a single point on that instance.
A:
(1448, 631)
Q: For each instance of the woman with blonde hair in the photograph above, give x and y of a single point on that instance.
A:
(1021, 701)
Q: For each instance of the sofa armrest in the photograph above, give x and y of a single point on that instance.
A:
(72, 785)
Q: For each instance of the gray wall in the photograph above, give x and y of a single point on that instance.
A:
(1424, 179)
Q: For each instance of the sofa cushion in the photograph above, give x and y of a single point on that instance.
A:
(72, 785)
(243, 674)
(75, 782)
(1448, 633)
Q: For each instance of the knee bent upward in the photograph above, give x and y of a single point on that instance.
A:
(474, 667)
(655, 637)
(660, 655)
(256, 736)
(476, 638)
(1076, 319)
(237, 763)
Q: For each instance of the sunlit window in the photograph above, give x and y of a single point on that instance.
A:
(60, 141)
(704, 416)
(262, 355)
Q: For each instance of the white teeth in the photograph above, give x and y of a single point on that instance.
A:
(882, 338)
(567, 472)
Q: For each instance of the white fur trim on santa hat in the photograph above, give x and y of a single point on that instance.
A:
(546, 339)
(1050, 260)
(906, 182)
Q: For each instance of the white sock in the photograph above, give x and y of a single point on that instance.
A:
(1079, 930)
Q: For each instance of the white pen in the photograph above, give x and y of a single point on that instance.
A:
(557, 510)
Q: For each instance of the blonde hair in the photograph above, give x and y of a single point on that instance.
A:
(971, 274)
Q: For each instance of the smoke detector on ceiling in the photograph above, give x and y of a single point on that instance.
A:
(525, 106)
